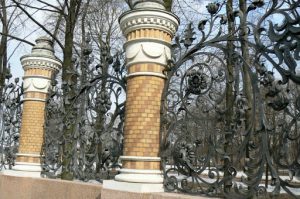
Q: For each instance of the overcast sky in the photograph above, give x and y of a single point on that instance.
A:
(17, 49)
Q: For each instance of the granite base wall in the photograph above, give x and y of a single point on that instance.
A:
(14, 187)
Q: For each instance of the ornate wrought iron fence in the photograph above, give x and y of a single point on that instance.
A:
(10, 121)
(98, 115)
(218, 138)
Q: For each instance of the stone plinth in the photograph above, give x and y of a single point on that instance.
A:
(12, 187)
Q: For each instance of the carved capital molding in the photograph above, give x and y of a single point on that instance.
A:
(36, 84)
(29, 62)
(42, 56)
(141, 51)
(156, 19)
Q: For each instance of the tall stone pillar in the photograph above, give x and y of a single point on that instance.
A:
(149, 29)
(39, 66)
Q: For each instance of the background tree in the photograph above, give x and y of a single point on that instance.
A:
(3, 46)
(11, 22)
(73, 31)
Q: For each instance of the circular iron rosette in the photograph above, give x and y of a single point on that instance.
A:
(200, 85)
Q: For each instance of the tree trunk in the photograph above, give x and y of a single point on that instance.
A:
(100, 114)
(247, 85)
(69, 91)
(3, 47)
(229, 92)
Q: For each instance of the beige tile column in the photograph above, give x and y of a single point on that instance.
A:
(149, 29)
(39, 66)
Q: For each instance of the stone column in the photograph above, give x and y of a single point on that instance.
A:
(149, 29)
(39, 66)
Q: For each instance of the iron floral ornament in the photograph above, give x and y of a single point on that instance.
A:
(217, 139)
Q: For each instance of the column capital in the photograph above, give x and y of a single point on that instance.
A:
(156, 4)
(42, 56)
(39, 66)
(153, 28)
(150, 18)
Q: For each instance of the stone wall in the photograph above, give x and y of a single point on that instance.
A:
(14, 187)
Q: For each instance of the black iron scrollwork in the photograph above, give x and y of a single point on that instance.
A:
(99, 118)
(10, 121)
(220, 137)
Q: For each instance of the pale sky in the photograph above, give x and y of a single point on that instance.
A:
(194, 12)
(21, 49)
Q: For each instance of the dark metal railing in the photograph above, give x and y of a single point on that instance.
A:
(231, 114)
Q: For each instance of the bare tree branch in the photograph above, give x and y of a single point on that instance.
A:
(52, 6)
(129, 3)
(12, 16)
(39, 24)
(39, 8)
(5, 7)
(59, 20)
(21, 43)
(17, 38)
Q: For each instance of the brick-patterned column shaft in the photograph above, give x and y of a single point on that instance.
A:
(39, 66)
(149, 30)
(142, 117)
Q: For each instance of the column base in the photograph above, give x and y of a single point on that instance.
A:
(140, 176)
(133, 187)
(25, 166)
(135, 180)
(24, 169)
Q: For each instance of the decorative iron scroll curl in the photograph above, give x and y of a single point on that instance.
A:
(99, 118)
(217, 139)
(10, 121)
